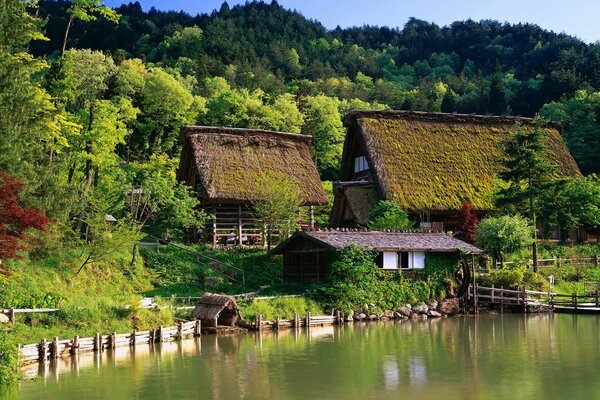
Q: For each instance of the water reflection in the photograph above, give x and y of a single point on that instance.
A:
(494, 357)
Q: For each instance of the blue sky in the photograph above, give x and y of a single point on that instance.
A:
(575, 17)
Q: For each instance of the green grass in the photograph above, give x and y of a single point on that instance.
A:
(284, 307)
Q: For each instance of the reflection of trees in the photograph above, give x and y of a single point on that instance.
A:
(510, 356)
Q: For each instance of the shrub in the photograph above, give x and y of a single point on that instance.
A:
(282, 307)
(389, 215)
(509, 278)
(9, 360)
(501, 235)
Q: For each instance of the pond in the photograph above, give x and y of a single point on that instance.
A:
(487, 357)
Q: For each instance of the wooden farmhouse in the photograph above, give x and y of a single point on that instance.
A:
(217, 310)
(307, 255)
(429, 163)
(223, 165)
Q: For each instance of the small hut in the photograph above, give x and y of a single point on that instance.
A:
(217, 310)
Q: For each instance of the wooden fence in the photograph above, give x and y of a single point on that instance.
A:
(12, 312)
(56, 348)
(305, 321)
(556, 262)
(502, 298)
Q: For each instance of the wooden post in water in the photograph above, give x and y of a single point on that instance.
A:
(574, 296)
(97, 343)
(308, 319)
(43, 350)
(160, 334)
(501, 299)
(492, 293)
(132, 338)
(277, 323)
(55, 347)
(113, 340)
(75, 345)
(180, 330)
(337, 317)
(197, 328)
(259, 322)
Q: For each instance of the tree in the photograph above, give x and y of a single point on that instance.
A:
(497, 103)
(504, 234)
(323, 122)
(15, 220)
(87, 10)
(277, 206)
(389, 215)
(527, 172)
(467, 222)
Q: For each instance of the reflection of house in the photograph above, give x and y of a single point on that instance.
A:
(426, 162)
(224, 165)
(307, 255)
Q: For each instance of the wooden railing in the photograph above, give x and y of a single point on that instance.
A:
(298, 321)
(501, 297)
(556, 261)
(12, 312)
(56, 348)
(576, 301)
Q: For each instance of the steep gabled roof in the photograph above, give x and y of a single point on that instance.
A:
(397, 241)
(433, 161)
(230, 161)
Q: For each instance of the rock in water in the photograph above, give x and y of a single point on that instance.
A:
(4, 319)
(432, 303)
(404, 311)
(449, 307)
(422, 309)
(433, 314)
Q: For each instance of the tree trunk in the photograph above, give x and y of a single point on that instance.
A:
(534, 249)
(64, 45)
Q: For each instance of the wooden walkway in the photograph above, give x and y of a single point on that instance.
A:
(500, 299)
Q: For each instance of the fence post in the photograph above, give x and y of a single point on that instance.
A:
(132, 338)
(180, 330)
(296, 320)
(11, 315)
(113, 340)
(308, 319)
(574, 296)
(259, 322)
(75, 345)
(197, 328)
(337, 317)
(493, 293)
(501, 299)
(55, 347)
(160, 334)
(277, 323)
(97, 344)
(597, 298)
(43, 350)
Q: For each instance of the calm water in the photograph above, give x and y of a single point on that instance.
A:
(491, 357)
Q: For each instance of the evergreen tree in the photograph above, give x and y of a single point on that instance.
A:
(527, 172)
(497, 104)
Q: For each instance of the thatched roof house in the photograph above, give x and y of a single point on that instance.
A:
(217, 310)
(427, 162)
(224, 166)
(307, 255)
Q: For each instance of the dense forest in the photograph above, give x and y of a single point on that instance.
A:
(93, 98)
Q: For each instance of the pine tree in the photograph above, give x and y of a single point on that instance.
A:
(497, 104)
(527, 172)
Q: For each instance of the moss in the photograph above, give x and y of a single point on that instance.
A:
(433, 163)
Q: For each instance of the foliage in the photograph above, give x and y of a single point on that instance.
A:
(389, 215)
(9, 361)
(277, 206)
(467, 222)
(15, 220)
(282, 307)
(504, 234)
(439, 273)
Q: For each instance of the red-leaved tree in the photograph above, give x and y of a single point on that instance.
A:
(467, 222)
(15, 220)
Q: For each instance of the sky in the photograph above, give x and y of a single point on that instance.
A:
(575, 17)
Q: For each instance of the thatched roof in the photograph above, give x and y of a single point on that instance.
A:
(230, 161)
(210, 306)
(372, 240)
(434, 161)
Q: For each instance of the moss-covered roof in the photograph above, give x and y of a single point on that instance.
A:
(433, 161)
(230, 161)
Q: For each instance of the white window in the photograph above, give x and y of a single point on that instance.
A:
(390, 260)
(416, 259)
(360, 164)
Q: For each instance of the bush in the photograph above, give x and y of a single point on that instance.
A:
(501, 235)
(9, 360)
(282, 307)
(509, 278)
(389, 215)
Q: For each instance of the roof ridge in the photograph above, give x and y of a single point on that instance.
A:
(458, 117)
(190, 130)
